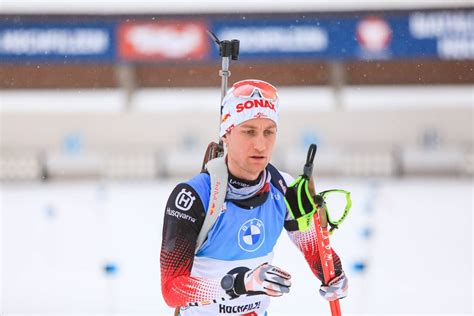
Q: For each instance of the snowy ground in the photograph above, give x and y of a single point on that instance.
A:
(413, 236)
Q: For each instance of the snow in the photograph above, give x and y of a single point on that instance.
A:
(57, 237)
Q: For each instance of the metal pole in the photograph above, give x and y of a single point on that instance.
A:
(225, 74)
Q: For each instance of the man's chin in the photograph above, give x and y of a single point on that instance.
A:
(258, 166)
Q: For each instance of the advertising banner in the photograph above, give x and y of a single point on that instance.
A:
(445, 34)
(163, 40)
(436, 34)
(64, 42)
(450, 32)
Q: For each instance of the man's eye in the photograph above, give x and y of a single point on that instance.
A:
(269, 132)
(249, 132)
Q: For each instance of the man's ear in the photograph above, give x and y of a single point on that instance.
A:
(225, 139)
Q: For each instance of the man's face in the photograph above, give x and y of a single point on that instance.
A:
(250, 147)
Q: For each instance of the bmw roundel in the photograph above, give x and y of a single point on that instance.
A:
(251, 235)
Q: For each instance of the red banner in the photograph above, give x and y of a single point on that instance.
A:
(168, 40)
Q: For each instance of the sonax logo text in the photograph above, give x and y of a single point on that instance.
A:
(255, 103)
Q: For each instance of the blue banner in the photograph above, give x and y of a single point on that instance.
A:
(436, 34)
(419, 34)
(65, 43)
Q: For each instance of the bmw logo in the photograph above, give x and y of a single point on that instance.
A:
(251, 235)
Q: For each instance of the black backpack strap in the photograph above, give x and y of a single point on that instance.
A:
(279, 182)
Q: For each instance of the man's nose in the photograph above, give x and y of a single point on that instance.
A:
(259, 143)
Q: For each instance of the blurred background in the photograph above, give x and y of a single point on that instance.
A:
(105, 106)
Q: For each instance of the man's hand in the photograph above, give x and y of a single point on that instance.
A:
(302, 202)
(335, 289)
(265, 279)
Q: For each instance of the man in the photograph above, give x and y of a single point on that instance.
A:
(231, 273)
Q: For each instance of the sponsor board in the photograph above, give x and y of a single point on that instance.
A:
(62, 42)
(453, 32)
(163, 40)
(260, 38)
(442, 34)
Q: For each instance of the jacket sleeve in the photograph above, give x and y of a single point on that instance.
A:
(307, 244)
(183, 219)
